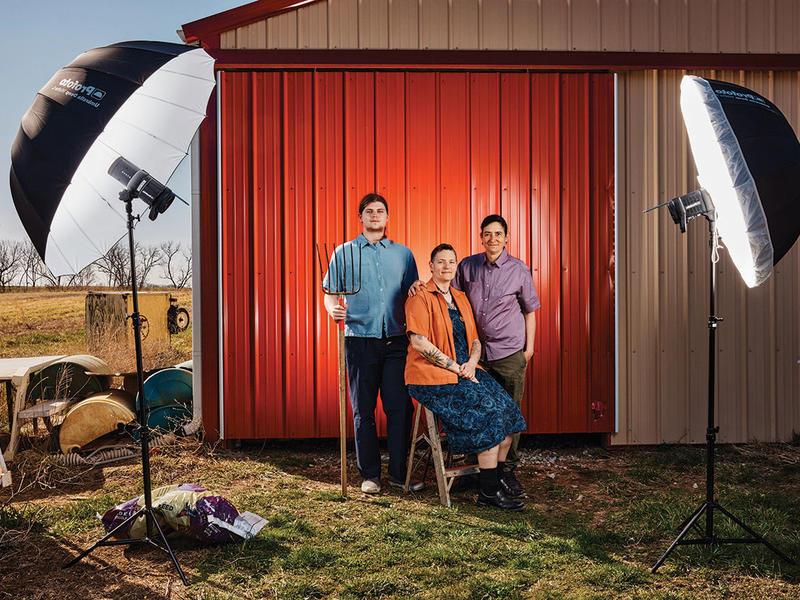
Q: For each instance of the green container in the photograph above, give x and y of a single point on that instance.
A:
(166, 419)
(170, 387)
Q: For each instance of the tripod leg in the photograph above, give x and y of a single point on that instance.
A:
(690, 518)
(166, 547)
(757, 536)
(102, 541)
(689, 524)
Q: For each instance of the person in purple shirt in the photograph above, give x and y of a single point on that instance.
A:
(504, 300)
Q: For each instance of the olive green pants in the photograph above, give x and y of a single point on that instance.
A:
(510, 373)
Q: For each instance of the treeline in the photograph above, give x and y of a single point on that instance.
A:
(21, 266)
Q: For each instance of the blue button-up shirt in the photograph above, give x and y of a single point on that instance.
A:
(386, 272)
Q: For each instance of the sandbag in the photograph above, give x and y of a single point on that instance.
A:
(188, 509)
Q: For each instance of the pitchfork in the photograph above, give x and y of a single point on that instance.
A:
(340, 280)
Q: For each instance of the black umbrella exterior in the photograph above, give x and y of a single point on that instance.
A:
(139, 100)
(748, 160)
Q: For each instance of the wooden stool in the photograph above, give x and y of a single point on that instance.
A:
(446, 471)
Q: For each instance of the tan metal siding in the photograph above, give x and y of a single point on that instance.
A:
(433, 30)
(615, 26)
(494, 32)
(555, 25)
(252, 36)
(464, 15)
(591, 25)
(343, 27)
(281, 31)
(526, 31)
(663, 287)
(787, 26)
(403, 24)
(312, 26)
(701, 30)
(373, 23)
(586, 25)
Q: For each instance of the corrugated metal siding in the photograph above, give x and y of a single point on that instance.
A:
(299, 149)
(592, 25)
(664, 289)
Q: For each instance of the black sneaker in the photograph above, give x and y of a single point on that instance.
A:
(415, 485)
(511, 486)
(499, 500)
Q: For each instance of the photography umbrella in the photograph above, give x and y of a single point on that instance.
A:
(748, 160)
(142, 101)
(748, 166)
(105, 130)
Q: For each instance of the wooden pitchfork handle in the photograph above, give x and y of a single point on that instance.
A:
(342, 409)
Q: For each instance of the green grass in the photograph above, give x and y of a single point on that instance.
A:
(590, 532)
(317, 544)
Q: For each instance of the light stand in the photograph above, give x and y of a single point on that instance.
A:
(710, 505)
(127, 195)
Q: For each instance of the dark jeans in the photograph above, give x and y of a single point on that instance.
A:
(510, 373)
(375, 365)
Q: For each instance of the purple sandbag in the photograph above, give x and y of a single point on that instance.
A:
(202, 529)
(189, 509)
(117, 515)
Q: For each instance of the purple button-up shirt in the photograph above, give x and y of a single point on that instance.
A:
(501, 295)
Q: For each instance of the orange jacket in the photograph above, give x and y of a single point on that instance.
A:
(426, 314)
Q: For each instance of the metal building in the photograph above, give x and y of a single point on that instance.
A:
(560, 114)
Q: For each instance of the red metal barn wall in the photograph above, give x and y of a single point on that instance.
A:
(298, 149)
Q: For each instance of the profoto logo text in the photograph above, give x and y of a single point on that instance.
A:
(85, 93)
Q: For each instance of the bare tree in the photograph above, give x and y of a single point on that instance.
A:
(176, 264)
(11, 262)
(115, 265)
(33, 268)
(147, 257)
(83, 278)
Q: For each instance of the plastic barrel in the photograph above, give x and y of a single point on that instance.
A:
(94, 417)
(169, 387)
(166, 419)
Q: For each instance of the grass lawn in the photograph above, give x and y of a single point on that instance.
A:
(596, 520)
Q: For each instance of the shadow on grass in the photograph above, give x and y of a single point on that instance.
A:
(33, 566)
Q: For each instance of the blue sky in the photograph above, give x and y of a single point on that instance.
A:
(38, 37)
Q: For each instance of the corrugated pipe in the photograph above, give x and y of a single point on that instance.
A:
(109, 454)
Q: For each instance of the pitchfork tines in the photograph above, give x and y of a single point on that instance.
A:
(340, 279)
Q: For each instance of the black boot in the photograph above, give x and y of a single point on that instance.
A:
(508, 482)
(491, 493)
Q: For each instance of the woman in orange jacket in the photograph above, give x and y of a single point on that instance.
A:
(443, 374)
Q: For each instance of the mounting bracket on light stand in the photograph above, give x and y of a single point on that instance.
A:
(153, 527)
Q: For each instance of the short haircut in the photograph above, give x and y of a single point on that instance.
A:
(369, 199)
(441, 248)
(494, 219)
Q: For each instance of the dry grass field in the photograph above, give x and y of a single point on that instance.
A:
(43, 322)
(595, 521)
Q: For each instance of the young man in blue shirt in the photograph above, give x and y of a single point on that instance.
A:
(375, 339)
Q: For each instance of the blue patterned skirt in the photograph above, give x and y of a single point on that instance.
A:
(475, 416)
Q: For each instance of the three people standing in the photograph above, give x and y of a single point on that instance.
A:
(496, 287)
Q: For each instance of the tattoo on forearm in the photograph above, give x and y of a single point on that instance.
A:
(438, 358)
(476, 348)
(432, 354)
